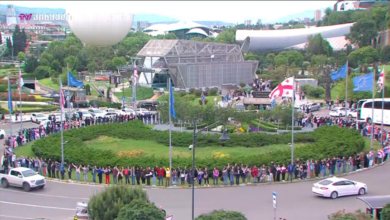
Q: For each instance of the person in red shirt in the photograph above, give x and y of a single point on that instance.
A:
(255, 171)
(160, 173)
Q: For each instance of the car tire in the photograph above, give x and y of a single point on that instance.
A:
(1, 136)
(26, 187)
(334, 195)
(362, 191)
(4, 183)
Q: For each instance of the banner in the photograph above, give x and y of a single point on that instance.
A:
(74, 82)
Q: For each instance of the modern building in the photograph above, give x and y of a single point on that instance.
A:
(352, 5)
(182, 29)
(317, 15)
(11, 15)
(279, 40)
(247, 22)
(141, 25)
(193, 64)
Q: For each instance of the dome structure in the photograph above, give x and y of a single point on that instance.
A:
(100, 27)
(197, 31)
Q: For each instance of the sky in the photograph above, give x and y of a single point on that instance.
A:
(227, 11)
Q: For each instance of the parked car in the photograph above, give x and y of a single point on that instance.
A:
(38, 117)
(336, 187)
(58, 116)
(352, 113)
(2, 133)
(96, 112)
(141, 111)
(150, 105)
(84, 114)
(128, 111)
(22, 177)
(314, 106)
(45, 122)
(338, 111)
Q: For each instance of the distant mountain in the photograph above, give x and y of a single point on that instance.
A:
(302, 15)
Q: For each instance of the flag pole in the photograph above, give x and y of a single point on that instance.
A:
(62, 135)
(372, 114)
(346, 91)
(170, 123)
(293, 123)
(11, 142)
(20, 99)
(383, 101)
(68, 98)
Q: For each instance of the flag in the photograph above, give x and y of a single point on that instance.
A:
(273, 103)
(171, 102)
(62, 100)
(135, 75)
(283, 89)
(21, 82)
(340, 73)
(381, 80)
(363, 83)
(73, 81)
(10, 97)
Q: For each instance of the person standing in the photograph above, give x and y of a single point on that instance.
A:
(94, 171)
(115, 173)
(107, 174)
(77, 172)
(168, 177)
(85, 173)
(100, 175)
(215, 176)
(126, 172)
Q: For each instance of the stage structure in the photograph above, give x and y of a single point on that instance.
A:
(193, 64)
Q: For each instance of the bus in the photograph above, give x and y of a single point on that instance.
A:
(365, 111)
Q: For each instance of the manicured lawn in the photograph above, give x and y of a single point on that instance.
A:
(142, 93)
(47, 82)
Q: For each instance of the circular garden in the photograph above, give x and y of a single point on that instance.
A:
(136, 144)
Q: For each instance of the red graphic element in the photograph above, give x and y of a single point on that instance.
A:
(25, 16)
(281, 89)
(100, 78)
(287, 81)
(287, 93)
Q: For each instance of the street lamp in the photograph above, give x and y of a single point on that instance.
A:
(224, 137)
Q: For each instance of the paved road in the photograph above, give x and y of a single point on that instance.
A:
(295, 201)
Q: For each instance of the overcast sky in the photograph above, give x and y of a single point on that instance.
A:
(228, 11)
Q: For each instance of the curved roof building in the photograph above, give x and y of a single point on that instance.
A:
(279, 40)
(182, 29)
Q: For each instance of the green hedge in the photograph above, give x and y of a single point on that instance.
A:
(324, 142)
(106, 104)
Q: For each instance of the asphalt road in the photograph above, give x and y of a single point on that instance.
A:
(57, 201)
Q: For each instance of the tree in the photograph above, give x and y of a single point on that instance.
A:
(31, 64)
(21, 56)
(317, 45)
(118, 61)
(43, 72)
(385, 54)
(87, 88)
(386, 211)
(364, 55)
(221, 214)
(140, 210)
(228, 36)
(342, 215)
(72, 62)
(108, 203)
(362, 32)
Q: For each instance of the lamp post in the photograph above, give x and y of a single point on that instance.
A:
(224, 137)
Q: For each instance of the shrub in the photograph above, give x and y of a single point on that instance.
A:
(243, 84)
(327, 141)
(140, 210)
(315, 92)
(15, 96)
(181, 94)
(213, 91)
(108, 203)
(358, 215)
(191, 91)
(105, 104)
(386, 211)
(221, 214)
(198, 93)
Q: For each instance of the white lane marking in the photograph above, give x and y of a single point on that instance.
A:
(40, 194)
(15, 217)
(36, 206)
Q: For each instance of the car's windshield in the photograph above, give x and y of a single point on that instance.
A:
(40, 115)
(97, 111)
(110, 110)
(29, 173)
(84, 112)
(325, 182)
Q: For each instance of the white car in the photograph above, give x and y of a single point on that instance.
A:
(22, 177)
(2, 133)
(352, 113)
(141, 111)
(58, 116)
(128, 111)
(38, 117)
(96, 112)
(338, 111)
(336, 187)
(85, 114)
(45, 122)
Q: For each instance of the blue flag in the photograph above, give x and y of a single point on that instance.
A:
(363, 83)
(74, 82)
(172, 102)
(273, 103)
(10, 97)
(340, 73)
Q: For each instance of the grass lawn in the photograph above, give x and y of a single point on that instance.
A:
(142, 93)
(3, 72)
(47, 82)
(190, 98)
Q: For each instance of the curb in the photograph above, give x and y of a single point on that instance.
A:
(220, 186)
